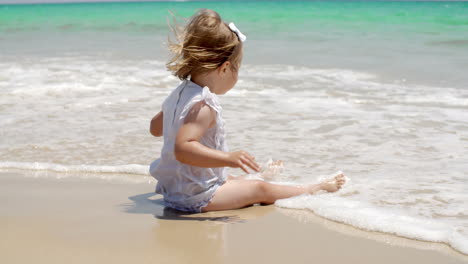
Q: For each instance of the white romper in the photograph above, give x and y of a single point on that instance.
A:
(185, 187)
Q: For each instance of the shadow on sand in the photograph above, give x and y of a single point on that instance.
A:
(145, 204)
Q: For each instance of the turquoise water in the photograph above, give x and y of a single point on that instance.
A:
(376, 89)
(430, 37)
(296, 20)
(268, 17)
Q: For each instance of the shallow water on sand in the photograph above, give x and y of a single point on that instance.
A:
(403, 146)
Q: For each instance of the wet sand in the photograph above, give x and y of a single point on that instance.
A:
(72, 220)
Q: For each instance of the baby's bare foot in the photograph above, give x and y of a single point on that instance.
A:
(334, 184)
(331, 185)
(272, 169)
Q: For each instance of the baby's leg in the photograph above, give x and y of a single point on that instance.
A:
(235, 194)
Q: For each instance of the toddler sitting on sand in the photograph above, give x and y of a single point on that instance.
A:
(191, 172)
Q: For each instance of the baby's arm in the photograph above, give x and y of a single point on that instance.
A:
(189, 150)
(156, 126)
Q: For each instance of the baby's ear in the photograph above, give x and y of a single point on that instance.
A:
(224, 67)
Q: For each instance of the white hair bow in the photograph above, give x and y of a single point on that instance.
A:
(239, 34)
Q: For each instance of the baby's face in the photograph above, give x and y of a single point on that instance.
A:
(231, 79)
(227, 80)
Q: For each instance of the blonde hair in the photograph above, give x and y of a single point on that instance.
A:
(203, 45)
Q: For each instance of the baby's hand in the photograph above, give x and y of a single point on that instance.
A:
(242, 159)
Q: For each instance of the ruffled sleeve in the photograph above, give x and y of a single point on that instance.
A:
(212, 101)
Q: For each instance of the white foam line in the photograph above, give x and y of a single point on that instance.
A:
(39, 166)
(365, 216)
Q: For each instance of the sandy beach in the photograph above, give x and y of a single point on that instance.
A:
(376, 89)
(50, 220)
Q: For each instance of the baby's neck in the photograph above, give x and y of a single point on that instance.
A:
(203, 80)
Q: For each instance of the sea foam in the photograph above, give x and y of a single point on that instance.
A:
(365, 216)
(127, 173)
(402, 145)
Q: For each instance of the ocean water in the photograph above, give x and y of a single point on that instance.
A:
(378, 90)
